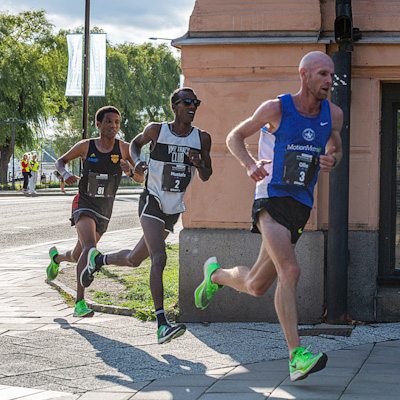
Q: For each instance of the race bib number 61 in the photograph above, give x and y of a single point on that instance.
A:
(100, 185)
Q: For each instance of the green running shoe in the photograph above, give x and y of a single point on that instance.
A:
(52, 269)
(82, 310)
(206, 289)
(168, 332)
(87, 275)
(305, 363)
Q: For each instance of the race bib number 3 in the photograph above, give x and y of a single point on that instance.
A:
(100, 185)
(176, 177)
(299, 168)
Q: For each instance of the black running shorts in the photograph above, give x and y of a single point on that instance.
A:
(287, 211)
(78, 210)
(150, 207)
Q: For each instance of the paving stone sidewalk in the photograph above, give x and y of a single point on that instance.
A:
(46, 353)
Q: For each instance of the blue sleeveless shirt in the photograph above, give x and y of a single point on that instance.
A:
(294, 149)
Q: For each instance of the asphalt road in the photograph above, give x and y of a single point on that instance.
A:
(34, 220)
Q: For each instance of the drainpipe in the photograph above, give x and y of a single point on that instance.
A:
(338, 253)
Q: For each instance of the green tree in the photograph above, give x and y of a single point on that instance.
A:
(33, 72)
(154, 73)
(30, 71)
(139, 82)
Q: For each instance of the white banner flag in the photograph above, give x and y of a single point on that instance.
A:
(75, 56)
(181, 80)
(97, 65)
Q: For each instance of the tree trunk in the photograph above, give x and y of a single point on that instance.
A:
(5, 155)
(150, 114)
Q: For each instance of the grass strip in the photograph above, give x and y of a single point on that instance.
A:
(135, 290)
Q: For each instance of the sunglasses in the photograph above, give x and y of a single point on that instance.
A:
(188, 102)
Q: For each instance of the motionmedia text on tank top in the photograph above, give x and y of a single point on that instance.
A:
(296, 132)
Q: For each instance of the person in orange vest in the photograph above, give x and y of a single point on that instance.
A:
(34, 168)
(25, 171)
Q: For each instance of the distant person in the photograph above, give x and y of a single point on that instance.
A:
(178, 149)
(103, 162)
(61, 179)
(62, 184)
(34, 168)
(299, 135)
(25, 172)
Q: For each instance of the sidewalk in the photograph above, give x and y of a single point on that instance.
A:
(46, 353)
(68, 191)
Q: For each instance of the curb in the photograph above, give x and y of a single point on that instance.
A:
(41, 192)
(5, 193)
(98, 307)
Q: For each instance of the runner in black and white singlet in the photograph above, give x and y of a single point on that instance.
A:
(178, 149)
(299, 135)
(103, 162)
(170, 170)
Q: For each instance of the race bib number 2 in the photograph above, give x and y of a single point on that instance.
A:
(176, 177)
(299, 169)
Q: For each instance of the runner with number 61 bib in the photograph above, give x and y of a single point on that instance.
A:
(104, 160)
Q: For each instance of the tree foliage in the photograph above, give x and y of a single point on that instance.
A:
(33, 72)
(154, 74)
(139, 82)
(28, 53)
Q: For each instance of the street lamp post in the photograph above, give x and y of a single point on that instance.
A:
(159, 38)
(13, 121)
(86, 72)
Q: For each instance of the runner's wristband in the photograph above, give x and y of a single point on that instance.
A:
(64, 174)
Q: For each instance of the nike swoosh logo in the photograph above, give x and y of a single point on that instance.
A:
(324, 123)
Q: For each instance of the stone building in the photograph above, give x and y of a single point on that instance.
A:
(238, 53)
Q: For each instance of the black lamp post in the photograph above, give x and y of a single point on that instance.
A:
(338, 253)
(86, 72)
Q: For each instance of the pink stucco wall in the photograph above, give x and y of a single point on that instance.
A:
(255, 15)
(233, 79)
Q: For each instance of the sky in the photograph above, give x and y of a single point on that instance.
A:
(123, 20)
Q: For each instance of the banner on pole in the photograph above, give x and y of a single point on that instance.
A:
(97, 64)
(75, 57)
(181, 80)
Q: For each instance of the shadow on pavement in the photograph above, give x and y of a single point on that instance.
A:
(124, 363)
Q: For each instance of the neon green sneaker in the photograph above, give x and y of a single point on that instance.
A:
(52, 269)
(206, 289)
(87, 275)
(82, 310)
(168, 332)
(305, 363)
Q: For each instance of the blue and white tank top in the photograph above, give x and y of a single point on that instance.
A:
(169, 171)
(294, 149)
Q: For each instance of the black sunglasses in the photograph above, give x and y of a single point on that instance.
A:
(188, 102)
